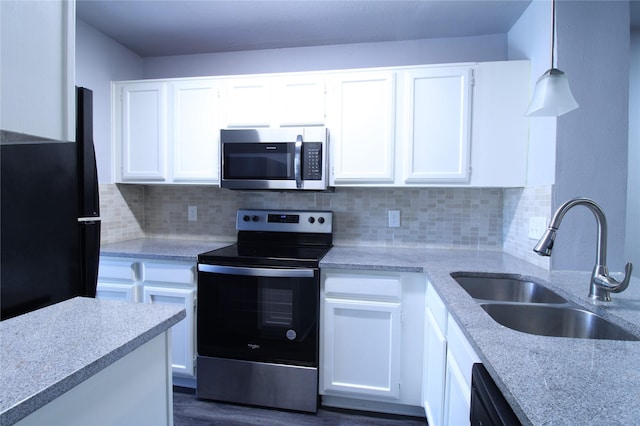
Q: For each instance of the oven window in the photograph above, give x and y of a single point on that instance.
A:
(263, 319)
(259, 161)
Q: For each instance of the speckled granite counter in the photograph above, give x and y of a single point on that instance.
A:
(47, 352)
(157, 248)
(547, 380)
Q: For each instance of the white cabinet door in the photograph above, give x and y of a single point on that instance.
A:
(300, 101)
(195, 131)
(500, 129)
(437, 115)
(460, 360)
(435, 359)
(361, 347)
(143, 118)
(37, 68)
(273, 101)
(362, 128)
(182, 334)
(246, 102)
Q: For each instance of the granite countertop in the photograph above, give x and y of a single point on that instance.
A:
(47, 352)
(547, 380)
(158, 248)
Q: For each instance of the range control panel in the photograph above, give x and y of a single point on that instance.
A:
(320, 221)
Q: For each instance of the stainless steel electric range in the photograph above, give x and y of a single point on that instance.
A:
(258, 311)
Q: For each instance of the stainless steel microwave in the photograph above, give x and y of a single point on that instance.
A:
(281, 159)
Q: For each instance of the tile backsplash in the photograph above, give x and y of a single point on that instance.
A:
(468, 218)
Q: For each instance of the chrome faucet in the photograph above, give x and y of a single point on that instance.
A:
(601, 283)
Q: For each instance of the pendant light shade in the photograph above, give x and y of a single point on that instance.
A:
(552, 96)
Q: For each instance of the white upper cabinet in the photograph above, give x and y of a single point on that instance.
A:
(362, 128)
(460, 125)
(143, 130)
(500, 130)
(167, 132)
(273, 101)
(195, 134)
(37, 68)
(437, 124)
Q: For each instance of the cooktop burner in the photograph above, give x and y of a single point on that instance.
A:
(279, 238)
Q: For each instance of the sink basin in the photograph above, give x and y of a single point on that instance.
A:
(558, 321)
(506, 289)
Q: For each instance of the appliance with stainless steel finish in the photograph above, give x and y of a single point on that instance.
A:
(281, 159)
(258, 311)
(601, 284)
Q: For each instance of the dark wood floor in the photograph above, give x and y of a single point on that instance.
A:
(188, 411)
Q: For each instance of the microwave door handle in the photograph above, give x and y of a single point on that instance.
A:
(297, 162)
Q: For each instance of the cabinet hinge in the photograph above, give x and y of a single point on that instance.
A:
(473, 78)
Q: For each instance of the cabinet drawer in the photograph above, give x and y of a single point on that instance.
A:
(461, 350)
(437, 308)
(362, 285)
(176, 273)
(118, 270)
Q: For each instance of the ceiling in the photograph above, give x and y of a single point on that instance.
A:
(178, 27)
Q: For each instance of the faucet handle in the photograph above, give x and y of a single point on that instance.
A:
(608, 283)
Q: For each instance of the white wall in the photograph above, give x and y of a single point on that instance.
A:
(318, 58)
(632, 252)
(591, 142)
(99, 60)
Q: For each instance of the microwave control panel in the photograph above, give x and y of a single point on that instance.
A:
(312, 164)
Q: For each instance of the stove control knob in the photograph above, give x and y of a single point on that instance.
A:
(321, 220)
(256, 218)
(311, 219)
(246, 218)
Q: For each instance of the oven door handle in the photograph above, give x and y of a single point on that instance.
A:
(258, 272)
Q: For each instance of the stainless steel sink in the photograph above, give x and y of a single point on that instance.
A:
(559, 321)
(531, 307)
(506, 288)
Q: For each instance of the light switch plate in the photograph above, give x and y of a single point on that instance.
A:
(394, 218)
(537, 226)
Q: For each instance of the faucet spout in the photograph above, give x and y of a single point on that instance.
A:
(601, 283)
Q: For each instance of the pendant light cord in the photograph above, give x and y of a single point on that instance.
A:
(553, 29)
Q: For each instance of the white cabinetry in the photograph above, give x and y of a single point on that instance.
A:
(141, 123)
(118, 279)
(362, 127)
(500, 130)
(37, 68)
(435, 358)
(195, 133)
(166, 132)
(437, 112)
(156, 281)
(273, 101)
(371, 339)
(448, 360)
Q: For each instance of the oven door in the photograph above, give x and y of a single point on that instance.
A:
(258, 314)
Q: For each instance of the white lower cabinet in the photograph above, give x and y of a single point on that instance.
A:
(156, 281)
(447, 366)
(371, 339)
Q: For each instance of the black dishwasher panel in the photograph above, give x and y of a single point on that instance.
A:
(488, 405)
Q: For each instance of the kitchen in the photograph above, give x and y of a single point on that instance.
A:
(143, 211)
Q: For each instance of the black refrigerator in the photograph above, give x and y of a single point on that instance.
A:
(49, 217)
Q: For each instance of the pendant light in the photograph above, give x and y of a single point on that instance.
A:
(552, 95)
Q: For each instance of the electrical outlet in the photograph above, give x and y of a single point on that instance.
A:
(192, 213)
(394, 218)
(537, 226)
